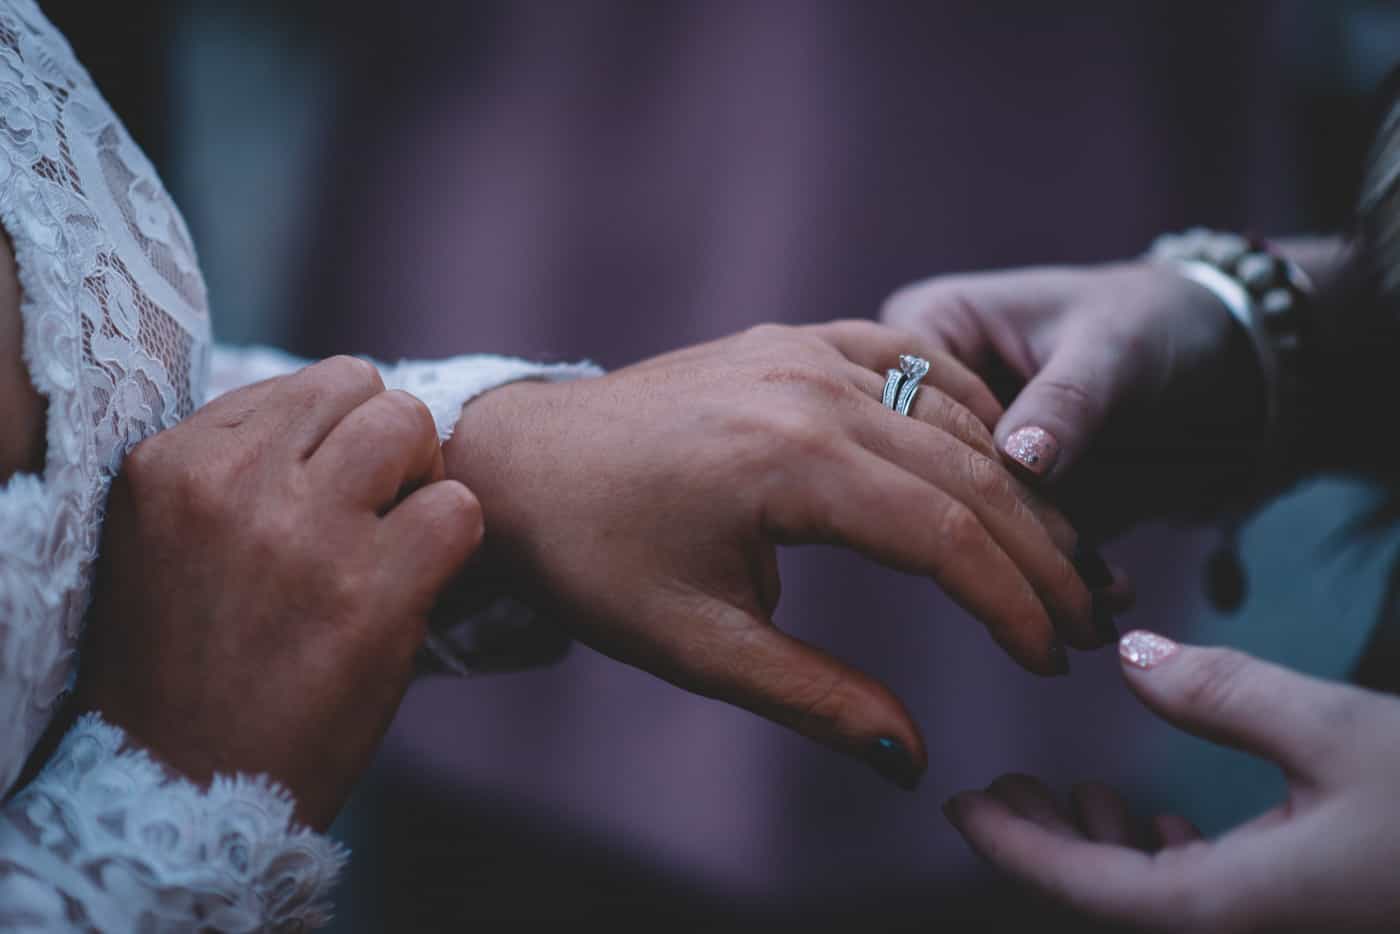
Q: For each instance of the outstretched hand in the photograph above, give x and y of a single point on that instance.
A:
(1325, 859)
(642, 511)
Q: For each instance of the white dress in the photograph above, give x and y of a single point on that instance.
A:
(117, 339)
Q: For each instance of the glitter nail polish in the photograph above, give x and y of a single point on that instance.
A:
(1143, 649)
(1033, 448)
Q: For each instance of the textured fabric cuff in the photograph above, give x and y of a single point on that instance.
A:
(110, 829)
(444, 386)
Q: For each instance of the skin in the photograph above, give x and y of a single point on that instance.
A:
(1141, 376)
(1120, 359)
(770, 438)
(681, 476)
(1323, 860)
(1150, 387)
(267, 570)
(21, 407)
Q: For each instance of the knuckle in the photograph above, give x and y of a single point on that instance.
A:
(768, 332)
(352, 372)
(792, 505)
(795, 434)
(1341, 723)
(1072, 397)
(864, 330)
(274, 532)
(988, 480)
(341, 591)
(146, 464)
(958, 525)
(194, 489)
(822, 705)
(462, 516)
(969, 428)
(810, 380)
(1214, 682)
(902, 308)
(410, 412)
(201, 497)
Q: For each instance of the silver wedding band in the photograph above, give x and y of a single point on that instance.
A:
(902, 384)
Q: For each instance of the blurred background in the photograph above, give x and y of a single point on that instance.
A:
(612, 178)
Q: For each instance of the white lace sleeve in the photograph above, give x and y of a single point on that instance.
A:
(116, 340)
(444, 386)
(106, 840)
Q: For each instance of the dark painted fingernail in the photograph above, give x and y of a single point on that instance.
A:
(1033, 448)
(1059, 658)
(952, 809)
(890, 759)
(1104, 623)
(1092, 568)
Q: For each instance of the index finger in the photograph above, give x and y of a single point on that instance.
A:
(314, 400)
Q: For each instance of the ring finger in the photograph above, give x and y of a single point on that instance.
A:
(876, 348)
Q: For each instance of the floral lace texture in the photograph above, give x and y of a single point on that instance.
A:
(117, 340)
(113, 843)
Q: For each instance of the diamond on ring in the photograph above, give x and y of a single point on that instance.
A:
(914, 369)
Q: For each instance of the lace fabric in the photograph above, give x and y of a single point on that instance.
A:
(444, 386)
(113, 842)
(117, 340)
(115, 335)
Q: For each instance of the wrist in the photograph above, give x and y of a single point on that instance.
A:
(1274, 301)
(1226, 392)
(488, 453)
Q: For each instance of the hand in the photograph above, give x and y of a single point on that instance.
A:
(266, 573)
(642, 509)
(1323, 860)
(1131, 382)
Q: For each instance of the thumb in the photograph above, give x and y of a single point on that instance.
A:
(1053, 420)
(754, 665)
(1234, 699)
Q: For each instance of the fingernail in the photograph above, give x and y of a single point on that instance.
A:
(1059, 658)
(1143, 649)
(890, 759)
(952, 809)
(1092, 567)
(1033, 448)
(1104, 623)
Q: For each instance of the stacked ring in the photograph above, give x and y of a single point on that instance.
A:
(902, 384)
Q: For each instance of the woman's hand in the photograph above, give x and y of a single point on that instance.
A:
(1323, 860)
(641, 510)
(1135, 392)
(266, 573)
